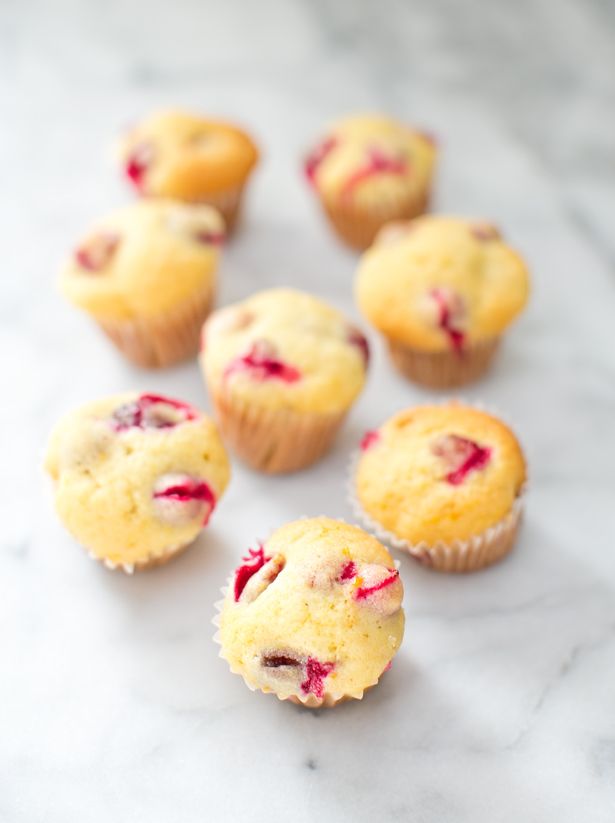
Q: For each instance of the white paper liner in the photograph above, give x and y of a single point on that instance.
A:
(460, 555)
(153, 559)
(310, 701)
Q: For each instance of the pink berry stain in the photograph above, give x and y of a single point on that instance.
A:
(363, 592)
(96, 253)
(252, 562)
(358, 339)
(138, 164)
(462, 456)
(188, 491)
(369, 439)
(316, 157)
(262, 363)
(450, 313)
(484, 232)
(315, 675)
(152, 411)
(378, 162)
(349, 570)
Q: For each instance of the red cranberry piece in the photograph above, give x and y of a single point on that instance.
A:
(152, 411)
(461, 456)
(484, 232)
(349, 570)
(315, 675)
(181, 498)
(96, 253)
(262, 578)
(263, 364)
(252, 562)
(358, 339)
(365, 591)
(378, 162)
(316, 157)
(210, 238)
(138, 164)
(369, 439)
(451, 313)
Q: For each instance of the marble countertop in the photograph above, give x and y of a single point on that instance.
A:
(501, 705)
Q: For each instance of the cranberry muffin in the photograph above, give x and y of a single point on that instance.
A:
(441, 291)
(187, 157)
(147, 275)
(368, 170)
(443, 483)
(136, 477)
(313, 615)
(283, 369)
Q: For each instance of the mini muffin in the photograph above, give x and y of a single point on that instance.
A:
(369, 170)
(185, 157)
(441, 291)
(314, 614)
(443, 483)
(283, 369)
(147, 274)
(136, 477)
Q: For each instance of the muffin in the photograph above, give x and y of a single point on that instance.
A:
(369, 170)
(185, 157)
(147, 274)
(136, 477)
(443, 483)
(313, 615)
(283, 368)
(441, 291)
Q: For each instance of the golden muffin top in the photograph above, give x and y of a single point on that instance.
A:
(371, 158)
(313, 611)
(144, 259)
(437, 474)
(285, 349)
(438, 283)
(180, 155)
(136, 475)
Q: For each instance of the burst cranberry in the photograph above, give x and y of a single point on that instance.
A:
(461, 456)
(358, 339)
(316, 157)
(252, 562)
(263, 364)
(138, 164)
(181, 498)
(349, 570)
(152, 411)
(315, 675)
(98, 251)
(379, 588)
(451, 313)
(369, 439)
(377, 163)
(364, 591)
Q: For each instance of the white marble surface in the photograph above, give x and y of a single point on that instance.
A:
(501, 705)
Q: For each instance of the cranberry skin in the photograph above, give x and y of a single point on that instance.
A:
(451, 311)
(316, 157)
(315, 675)
(138, 164)
(252, 563)
(152, 411)
(369, 439)
(378, 162)
(179, 499)
(462, 456)
(262, 363)
(358, 339)
(97, 252)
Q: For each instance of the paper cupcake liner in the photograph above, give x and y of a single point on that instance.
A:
(358, 226)
(460, 556)
(308, 701)
(157, 559)
(165, 338)
(274, 441)
(443, 369)
(228, 203)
